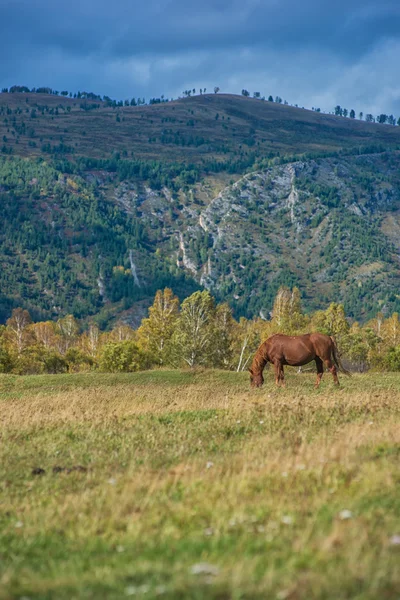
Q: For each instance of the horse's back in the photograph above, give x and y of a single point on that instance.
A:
(299, 349)
(291, 349)
(322, 343)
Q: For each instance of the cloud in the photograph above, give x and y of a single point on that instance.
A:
(307, 52)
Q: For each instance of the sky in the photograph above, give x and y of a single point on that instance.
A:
(312, 53)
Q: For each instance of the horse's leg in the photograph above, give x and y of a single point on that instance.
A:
(277, 368)
(332, 369)
(320, 370)
(282, 376)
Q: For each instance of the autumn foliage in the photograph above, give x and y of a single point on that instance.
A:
(196, 332)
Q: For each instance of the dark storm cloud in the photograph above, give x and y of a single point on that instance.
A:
(125, 27)
(164, 45)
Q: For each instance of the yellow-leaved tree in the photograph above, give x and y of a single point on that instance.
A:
(287, 314)
(194, 335)
(155, 332)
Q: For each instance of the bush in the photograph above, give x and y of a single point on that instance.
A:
(123, 357)
(6, 361)
(54, 363)
(76, 360)
(30, 362)
(392, 359)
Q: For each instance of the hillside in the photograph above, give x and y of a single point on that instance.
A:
(193, 130)
(100, 207)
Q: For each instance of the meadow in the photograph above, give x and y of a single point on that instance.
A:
(178, 484)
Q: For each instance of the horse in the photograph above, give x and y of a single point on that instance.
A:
(296, 350)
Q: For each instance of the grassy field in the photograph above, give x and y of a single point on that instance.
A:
(191, 485)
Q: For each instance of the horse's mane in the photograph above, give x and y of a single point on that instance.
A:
(260, 357)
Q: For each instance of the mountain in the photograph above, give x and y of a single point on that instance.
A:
(101, 206)
(193, 130)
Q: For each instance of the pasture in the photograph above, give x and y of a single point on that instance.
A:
(192, 485)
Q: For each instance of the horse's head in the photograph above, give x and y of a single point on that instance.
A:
(256, 379)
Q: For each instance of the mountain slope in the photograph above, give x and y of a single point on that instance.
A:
(97, 236)
(329, 226)
(193, 130)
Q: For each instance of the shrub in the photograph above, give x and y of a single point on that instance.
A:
(122, 357)
(392, 359)
(76, 360)
(6, 361)
(54, 363)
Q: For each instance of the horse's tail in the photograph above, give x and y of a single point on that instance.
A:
(336, 357)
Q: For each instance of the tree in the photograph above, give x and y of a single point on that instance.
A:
(287, 315)
(216, 90)
(45, 333)
(360, 115)
(270, 99)
(280, 311)
(345, 112)
(245, 93)
(193, 337)
(68, 329)
(245, 343)
(6, 361)
(155, 332)
(17, 329)
(90, 340)
(122, 333)
(338, 110)
(376, 324)
(391, 331)
(352, 114)
(382, 118)
(256, 95)
(331, 321)
(224, 327)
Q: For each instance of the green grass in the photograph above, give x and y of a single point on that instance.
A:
(184, 468)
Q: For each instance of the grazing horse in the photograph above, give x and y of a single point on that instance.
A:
(296, 350)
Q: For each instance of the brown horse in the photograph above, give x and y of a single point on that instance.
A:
(296, 350)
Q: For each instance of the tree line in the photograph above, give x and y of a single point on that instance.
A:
(196, 332)
(109, 102)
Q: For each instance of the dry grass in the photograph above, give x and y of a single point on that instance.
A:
(189, 468)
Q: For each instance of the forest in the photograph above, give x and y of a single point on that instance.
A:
(195, 333)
